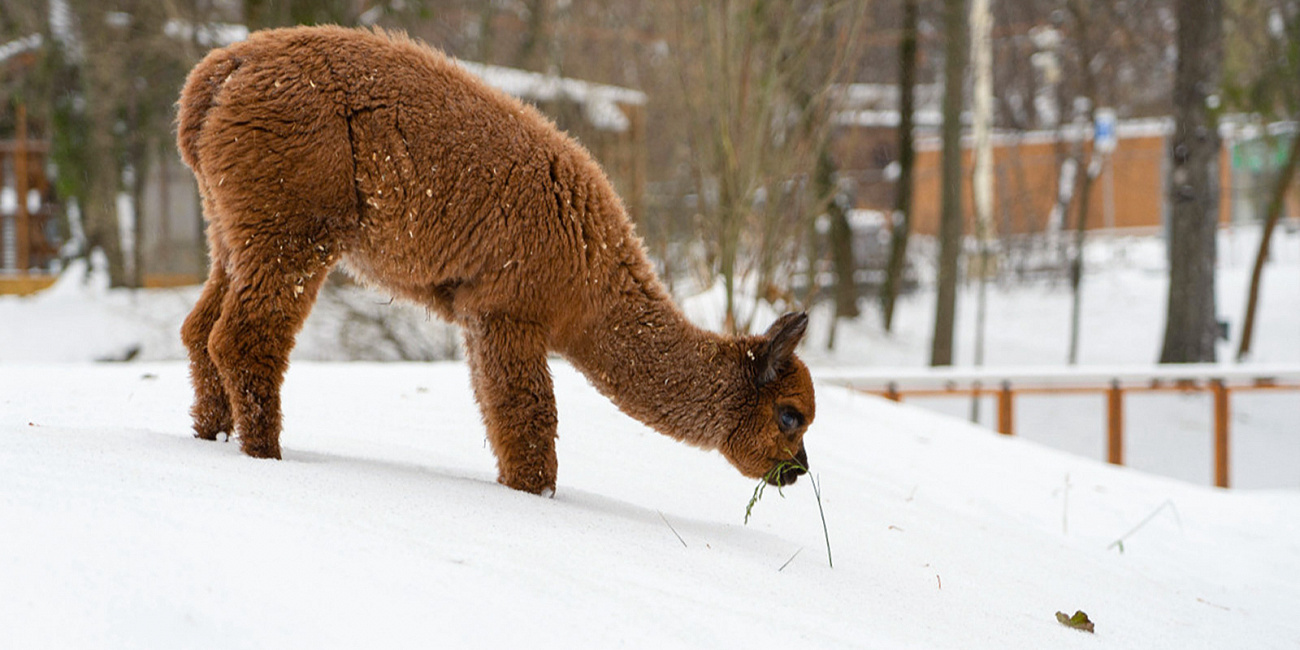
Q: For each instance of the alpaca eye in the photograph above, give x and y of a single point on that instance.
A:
(789, 419)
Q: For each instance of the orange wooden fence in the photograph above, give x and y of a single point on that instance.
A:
(1114, 383)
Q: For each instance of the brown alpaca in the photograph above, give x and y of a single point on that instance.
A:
(314, 146)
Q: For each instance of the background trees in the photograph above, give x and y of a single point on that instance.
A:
(102, 93)
(754, 78)
(749, 186)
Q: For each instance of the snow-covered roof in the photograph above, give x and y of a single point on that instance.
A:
(888, 118)
(599, 102)
(876, 105)
(885, 96)
(18, 46)
(206, 34)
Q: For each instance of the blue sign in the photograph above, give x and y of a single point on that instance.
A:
(1104, 138)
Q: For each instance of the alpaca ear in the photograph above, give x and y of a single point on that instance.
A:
(782, 339)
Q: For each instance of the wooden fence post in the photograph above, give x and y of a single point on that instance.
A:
(1115, 424)
(1006, 423)
(1221, 422)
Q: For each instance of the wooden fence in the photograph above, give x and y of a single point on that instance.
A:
(1006, 384)
(24, 244)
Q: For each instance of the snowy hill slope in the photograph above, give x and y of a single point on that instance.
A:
(383, 527)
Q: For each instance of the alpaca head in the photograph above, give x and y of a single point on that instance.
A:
(767, 441)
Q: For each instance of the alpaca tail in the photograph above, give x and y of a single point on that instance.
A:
(198, 97)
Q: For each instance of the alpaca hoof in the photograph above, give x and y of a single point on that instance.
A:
(223, 436)
(262, 450)
(538, 487)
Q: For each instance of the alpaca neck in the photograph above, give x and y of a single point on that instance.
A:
(657, 367)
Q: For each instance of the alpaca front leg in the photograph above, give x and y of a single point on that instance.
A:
(512, 384)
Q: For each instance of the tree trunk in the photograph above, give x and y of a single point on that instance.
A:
(901, 221)
(533, 53)
(102, 167)
(950, 225)
(487, 33)
(1090, 167)
(1191, 325)
(841, 235)
(1270, 222)
(1076, 265)
(99, 214)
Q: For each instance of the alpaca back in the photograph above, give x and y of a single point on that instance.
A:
(440, 189)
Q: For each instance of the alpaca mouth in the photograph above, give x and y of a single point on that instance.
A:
(787, 472)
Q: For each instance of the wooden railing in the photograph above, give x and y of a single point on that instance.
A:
(1006, 384)
(23, 161)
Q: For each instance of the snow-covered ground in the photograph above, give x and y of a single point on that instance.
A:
(383, 526)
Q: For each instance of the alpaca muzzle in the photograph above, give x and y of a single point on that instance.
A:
(788, 472)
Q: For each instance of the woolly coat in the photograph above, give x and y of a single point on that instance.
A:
(317, 145)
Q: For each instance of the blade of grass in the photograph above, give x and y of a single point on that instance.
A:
(792, 557)
(1169, 503)
(817, 491)
(670, 527)
(762, 484)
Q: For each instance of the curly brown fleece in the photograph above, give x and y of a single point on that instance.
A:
(319, 145)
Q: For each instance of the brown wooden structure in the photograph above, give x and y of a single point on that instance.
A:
(22, 170)
(1128, 195)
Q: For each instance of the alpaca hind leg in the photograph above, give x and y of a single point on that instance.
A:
(250, 343)
(211, 409)
(512, 384)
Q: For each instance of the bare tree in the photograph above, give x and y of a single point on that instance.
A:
(950, 224)
(535, 52)
(1271, 218)
(1265, 73)
(101, 76)
(756, 106)
(1191, 325)
(901, 220)
(1087, 172)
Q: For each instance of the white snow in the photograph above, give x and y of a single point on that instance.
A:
(384, 527)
